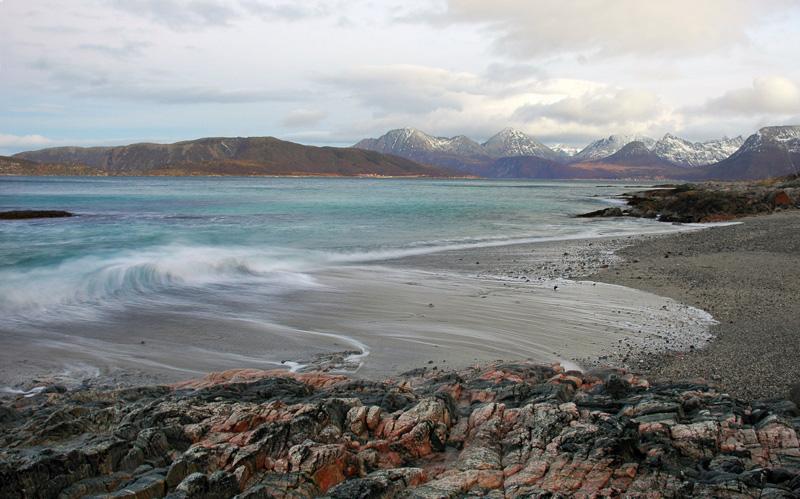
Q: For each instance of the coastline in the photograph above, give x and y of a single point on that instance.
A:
(489, 291)
(438, 311)
(745, 274)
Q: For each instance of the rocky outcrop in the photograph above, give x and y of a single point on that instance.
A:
(502, 431)
(709, 202)
(24, 214)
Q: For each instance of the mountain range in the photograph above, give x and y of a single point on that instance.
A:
(772, 151)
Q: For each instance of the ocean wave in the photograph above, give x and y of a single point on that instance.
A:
(147, 273)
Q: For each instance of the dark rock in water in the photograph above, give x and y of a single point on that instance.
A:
(508, 430)
(614, 211)
(25, 214)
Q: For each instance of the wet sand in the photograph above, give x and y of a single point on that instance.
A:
(445, 311)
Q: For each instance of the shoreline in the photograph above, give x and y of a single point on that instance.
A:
(431, 311)
(494, 275)
(745, 274)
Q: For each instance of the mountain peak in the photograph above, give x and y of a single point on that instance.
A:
(687, 154)
(606, 147)
(510, 142)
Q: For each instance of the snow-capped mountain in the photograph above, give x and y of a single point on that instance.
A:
(565, 150)
(511, 143)
(606, 147)
(636, 154)
(695, 154)
(771, 152)
(411, 143)
(786, 137)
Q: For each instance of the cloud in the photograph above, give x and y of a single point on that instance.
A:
(127, 50)
(192, 94)
(8, 142)
(448, 103)
(289, 11)
(620, 27)
(608, 106)
(768, 95)
(303, 117)
(181, 14)
(413, 89)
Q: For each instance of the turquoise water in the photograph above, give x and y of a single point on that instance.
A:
(136, 237)
(163, 253)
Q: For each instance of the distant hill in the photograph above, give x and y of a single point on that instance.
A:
(239, 156)
(19, 166)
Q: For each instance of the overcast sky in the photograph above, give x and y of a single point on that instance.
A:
(100, 72)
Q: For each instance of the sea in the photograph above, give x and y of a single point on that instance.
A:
(203, 258)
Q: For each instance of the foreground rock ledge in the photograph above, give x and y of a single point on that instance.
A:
(502, 431)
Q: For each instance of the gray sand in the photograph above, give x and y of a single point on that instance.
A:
(748, 277)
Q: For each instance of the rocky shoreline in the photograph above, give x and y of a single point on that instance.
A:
(516, 430)
(709, 202)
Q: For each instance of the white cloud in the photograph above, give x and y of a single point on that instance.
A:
(304, 117)
(180, 14)
(678, 27)
(8, 142)
(768, 95)
(608, 105)
(453, 103)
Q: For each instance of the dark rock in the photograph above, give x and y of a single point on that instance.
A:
(26, 214)
(617, 387)
(708, 202)
(614, 211)
(794, 394)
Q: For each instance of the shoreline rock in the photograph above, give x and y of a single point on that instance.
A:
(507, 430)
(708, 202)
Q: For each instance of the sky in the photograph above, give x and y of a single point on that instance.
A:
(112, 72)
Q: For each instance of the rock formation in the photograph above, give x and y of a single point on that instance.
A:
(709, 202)
(503, 431)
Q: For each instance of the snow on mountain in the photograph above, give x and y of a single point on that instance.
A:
(409, 142)
(606, 147)
(787, 137)
(511, 143)
(695, 154)
(565, 150)
(771, 152)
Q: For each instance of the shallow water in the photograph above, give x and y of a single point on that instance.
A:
(230, 266)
